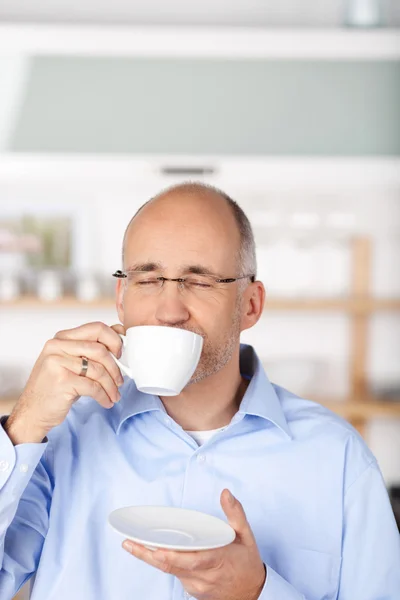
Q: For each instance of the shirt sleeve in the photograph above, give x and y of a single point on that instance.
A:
(276, 587)
(370, 549)
(25, 496)
(371, 541)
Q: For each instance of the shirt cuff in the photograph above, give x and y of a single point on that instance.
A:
(277, 587)
(21, 459)
(3, 421)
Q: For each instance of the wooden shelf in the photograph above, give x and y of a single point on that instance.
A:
(31, 302)
(350, 305)
(364, 408)
(6, 405)
(360, 306)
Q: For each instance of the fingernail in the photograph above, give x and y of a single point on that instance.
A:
(231, 498)
(127, 546)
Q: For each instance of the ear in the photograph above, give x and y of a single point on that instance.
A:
(119, 296)
(253, 305)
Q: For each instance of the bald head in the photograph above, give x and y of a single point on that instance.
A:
(205, 205)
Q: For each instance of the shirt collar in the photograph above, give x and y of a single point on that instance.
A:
(260, 399)
(133, 403)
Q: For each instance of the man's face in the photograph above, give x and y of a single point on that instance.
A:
(179, 233)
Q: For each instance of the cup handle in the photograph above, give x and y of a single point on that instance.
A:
(121, 365)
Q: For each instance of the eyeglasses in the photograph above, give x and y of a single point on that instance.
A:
(150, 284)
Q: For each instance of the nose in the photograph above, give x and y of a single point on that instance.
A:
(171, 309)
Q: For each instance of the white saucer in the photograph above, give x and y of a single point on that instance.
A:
(171, 528)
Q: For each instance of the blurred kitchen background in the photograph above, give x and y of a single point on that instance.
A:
(292, 108)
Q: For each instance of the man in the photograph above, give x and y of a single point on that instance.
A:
(299, 486)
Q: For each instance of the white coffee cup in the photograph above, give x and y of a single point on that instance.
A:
(161, 360)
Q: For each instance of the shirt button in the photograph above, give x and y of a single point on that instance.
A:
(4, 464)
(167, 421)
(201, 458)
(24, 468)
(187, 596)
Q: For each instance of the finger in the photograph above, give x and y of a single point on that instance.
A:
(96, 332)
(237, 518)
(119, 328)
(184, 565)
(83, 386)
(95, 371)
(92, 350)
(150, 557)
(198, 561)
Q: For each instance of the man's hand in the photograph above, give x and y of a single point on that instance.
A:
(55, 382)
(235, 572)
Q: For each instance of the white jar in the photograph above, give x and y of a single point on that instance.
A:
(9, 287)
(87, 289)
(49, 287)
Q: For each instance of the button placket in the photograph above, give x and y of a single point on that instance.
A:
(4, 465)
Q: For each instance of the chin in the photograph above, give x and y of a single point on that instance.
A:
(196, 378)
(203, 373)
(200, 374)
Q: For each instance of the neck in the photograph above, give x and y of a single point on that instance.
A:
(211, 403)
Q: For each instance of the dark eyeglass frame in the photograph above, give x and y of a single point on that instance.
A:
(123, 274)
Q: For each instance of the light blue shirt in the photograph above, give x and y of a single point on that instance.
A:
(311, 489)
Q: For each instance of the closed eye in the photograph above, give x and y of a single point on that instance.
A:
(200, 285)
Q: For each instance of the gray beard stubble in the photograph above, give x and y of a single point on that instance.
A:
(216, 355)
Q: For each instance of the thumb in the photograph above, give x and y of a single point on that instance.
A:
(237, 518)
(118, 328)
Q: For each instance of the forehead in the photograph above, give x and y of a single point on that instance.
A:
(178, 231)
